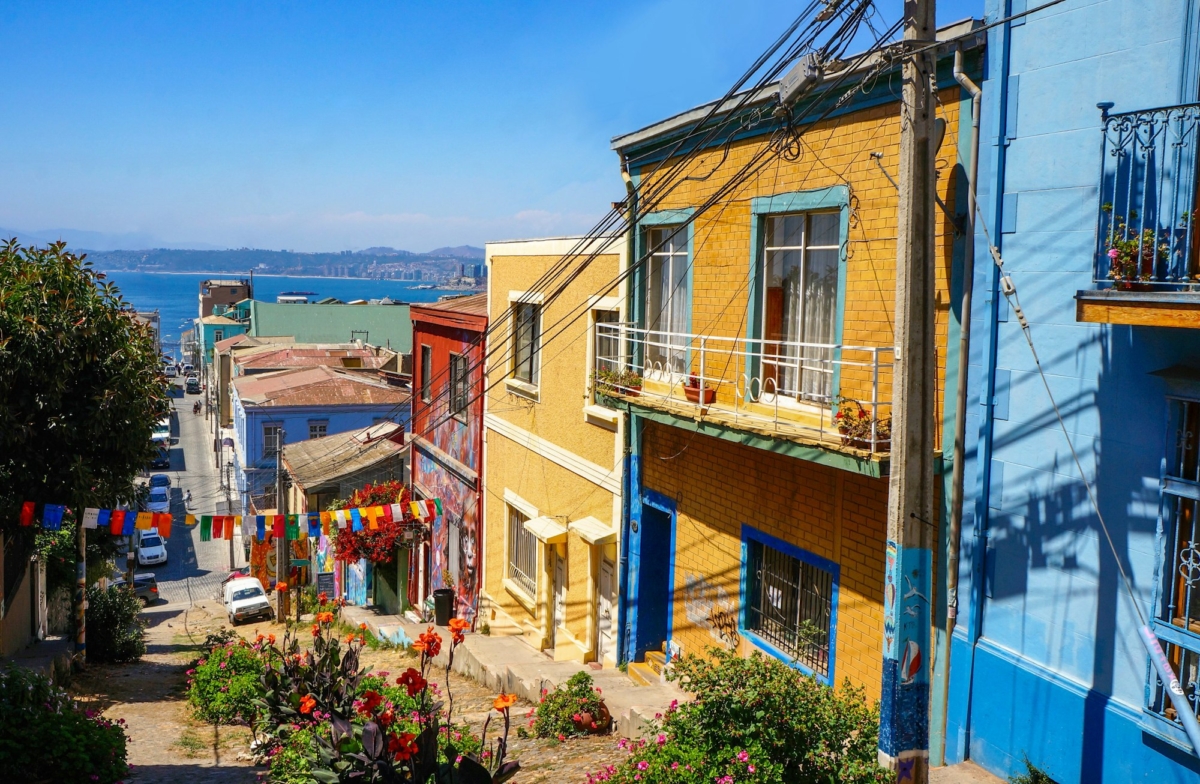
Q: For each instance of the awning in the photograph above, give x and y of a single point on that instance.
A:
(593, 531)
(547, 529)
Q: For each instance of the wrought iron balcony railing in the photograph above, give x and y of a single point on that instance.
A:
(828, 394)
(1146, 236)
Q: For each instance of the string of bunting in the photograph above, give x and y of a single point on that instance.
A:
(121, 522)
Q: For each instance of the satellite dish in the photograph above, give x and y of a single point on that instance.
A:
(939, 133)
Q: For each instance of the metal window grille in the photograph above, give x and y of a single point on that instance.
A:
(459, 388)
(270, 440)
(1177, 620)
(426, 371)
(790, 605)
(526, 339)
(522, 553)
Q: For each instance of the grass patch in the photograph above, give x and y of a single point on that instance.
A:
(191, 744)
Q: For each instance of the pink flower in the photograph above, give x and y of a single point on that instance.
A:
(1113, 253)
(643, 765)
(661, 739)
(750, 768)
(742, 756)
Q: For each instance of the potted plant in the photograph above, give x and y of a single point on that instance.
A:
(619, 382)
(694, 392)
(1132, 256)
(854, 425)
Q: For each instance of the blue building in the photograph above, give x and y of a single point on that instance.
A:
(214, 329)
(1078, 162)
(273, 409)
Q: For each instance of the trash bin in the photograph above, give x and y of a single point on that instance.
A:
(443, 606)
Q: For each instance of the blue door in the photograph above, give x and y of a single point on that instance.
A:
(650, 580)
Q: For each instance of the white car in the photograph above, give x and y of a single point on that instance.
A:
(151, 548)
(245, 599)
(170, 371)
(160, 500)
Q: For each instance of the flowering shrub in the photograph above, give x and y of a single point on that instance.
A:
(46, 736)
(115, 630)
(573, 708)
(378, 545)
(291, 760)
(224, 683)
(755, 720)
(1133, 255)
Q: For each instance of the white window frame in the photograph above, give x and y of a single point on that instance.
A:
(593, 411)
(272, 434)
(527, 388)
(519, 591)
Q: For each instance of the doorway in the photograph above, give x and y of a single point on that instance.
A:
(651, 560)
(604, 621)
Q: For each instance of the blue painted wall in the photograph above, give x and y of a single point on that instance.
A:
(254, 472)
(1045, 658)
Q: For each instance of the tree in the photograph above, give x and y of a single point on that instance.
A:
(81, 386)
(379, 545)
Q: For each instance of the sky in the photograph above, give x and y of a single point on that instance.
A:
(337, 126)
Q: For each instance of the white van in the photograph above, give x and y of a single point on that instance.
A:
(162, 431)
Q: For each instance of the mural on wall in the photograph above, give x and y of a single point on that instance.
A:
(460, 505)
(710, 607)
(356, 582)
(325, 554)
(262, 560)
(903, 732)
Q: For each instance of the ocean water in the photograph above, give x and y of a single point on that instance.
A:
(177, 296)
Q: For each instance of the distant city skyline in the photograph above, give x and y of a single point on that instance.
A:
(328, 128)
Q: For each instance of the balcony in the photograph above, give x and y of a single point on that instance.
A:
(1147, 248)
(828, 397)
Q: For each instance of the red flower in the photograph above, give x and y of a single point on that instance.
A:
(307, 703)
(403, 745)
(322, 597)
(429, 643)
(412, 681)
(370, 701)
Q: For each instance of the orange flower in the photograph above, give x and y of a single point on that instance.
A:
(316, 629)
(429, 643)
(459, 624)
(325, 617)
(259, 638)
(307, 703)
(322, 597)
(270, 639)
(348, 639)
(281, 586)
(362, 626)
(504, 701)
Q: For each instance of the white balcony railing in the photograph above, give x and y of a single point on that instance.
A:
(830, 394)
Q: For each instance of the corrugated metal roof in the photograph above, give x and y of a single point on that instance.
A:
(322, 460)
(218, 320)
(298, 356)
(474, 304)
(383, 325)
(316, 386)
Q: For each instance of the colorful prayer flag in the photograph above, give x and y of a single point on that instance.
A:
(260, 527)
(144, 521)
(218, 526)
(116, 522)
(27, 510)
(397, 512)
(104, 519)
(189, 520)
(91, 517)
(238, 523)
(356, 520)
(277, 526)
(164, 526)
(325, 516)
(229, 529)
(437, 505)
(293, 527)
(314, 524)
(341, 518)
(130, 522)
(52, 516)
(206, 528)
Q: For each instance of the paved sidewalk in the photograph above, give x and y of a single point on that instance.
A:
(963, 773)
(507, 664)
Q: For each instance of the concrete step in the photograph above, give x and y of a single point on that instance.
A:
(657, 661)
(643, 674)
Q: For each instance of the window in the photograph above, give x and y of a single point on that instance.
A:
(608, 341)
(459, 387)
(1177, 621)
(800, 304)
(668, 299)
(271, 440)
(522, 553)
(789, 604)
(318, 429)
(218, 335)
(426, 371)
(526, 340)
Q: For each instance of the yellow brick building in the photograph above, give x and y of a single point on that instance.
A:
(552, 458)
(757, 514)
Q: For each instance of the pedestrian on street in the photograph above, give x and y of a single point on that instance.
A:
(187, 500)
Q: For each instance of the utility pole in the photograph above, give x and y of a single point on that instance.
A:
(281, 548)
(229, 511)
(904, 713)
(81, 594)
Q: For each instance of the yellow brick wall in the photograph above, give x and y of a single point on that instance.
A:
(838, 515)
(835, 152)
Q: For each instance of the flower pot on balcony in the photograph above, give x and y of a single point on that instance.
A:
(693, 395)
(632, 391)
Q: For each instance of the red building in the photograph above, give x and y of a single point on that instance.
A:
(447, 446)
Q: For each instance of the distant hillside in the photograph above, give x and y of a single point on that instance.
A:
(459, 252)
(381, 263)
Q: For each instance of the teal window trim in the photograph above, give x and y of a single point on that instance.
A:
(833, 197)
(638, 279)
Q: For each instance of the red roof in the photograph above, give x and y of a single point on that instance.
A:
(472, 305)
(316, 386)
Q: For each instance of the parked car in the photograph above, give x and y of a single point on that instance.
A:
(245, 600)
(151, 548)
(160, 480)
(161, 459)
(188, 369)
(160, 500)
(192, 387)
(170, 371)
(145, 587)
